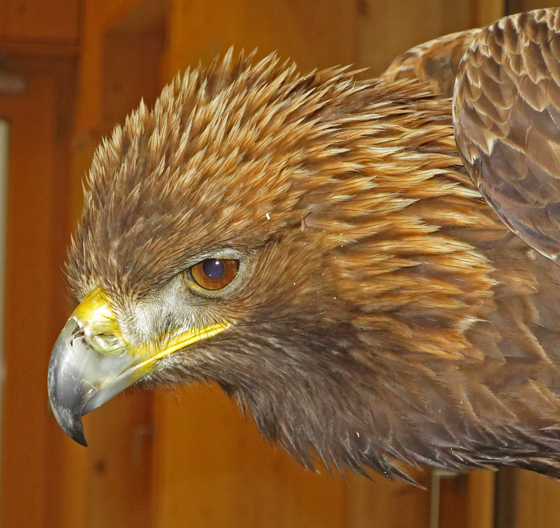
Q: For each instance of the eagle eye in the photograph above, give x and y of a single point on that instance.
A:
(214, 274)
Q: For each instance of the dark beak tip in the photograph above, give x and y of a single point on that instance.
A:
(79, 437)
(71, 424)
(76, 433)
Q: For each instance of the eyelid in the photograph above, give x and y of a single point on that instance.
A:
(219, 254)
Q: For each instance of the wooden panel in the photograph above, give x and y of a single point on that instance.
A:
(384, 504)
(467, 500)
(222, 474)
(117, 490)
(537, 502)
(488, 11)
(52, 21)
(28, 295)
(388, 28)
(126, 79)
(35, 298)
(39, 20)
(481, 497)
(100, 18)
(517, 6)
(214, 470)
(315, 34)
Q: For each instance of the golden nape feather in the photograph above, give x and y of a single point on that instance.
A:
(315, 245)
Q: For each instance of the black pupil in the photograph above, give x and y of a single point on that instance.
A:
(213, 268)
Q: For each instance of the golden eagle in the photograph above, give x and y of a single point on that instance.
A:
(368, 267)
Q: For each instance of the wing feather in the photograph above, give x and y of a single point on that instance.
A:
(507, 123)
(436, 62)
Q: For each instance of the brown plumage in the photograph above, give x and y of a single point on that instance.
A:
(385, 310)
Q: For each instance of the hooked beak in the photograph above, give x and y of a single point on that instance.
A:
(91, 361)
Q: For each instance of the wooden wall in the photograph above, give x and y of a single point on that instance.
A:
(34, 303)
(38, 41)
(40, 27)
(158, 460)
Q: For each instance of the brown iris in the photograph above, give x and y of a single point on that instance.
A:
(214, 274)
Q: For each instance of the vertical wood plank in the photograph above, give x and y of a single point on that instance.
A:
(74, 486)
(382, 503)
(109, 483)
(214, 470)
(527, 500)
(481, 499)
(118, 464)
(387, 28)
(29, 286)
(315, 34)
(488, 11)
(538, 504)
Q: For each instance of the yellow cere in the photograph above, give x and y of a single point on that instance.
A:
(98, 321)
(96, 317)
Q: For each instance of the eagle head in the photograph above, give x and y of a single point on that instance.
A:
(257, 229)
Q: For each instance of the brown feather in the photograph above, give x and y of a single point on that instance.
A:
(387, 314)
(507, 112)
(435, 62)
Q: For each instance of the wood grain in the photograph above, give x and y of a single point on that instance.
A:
(55, 20)
(216, 471)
